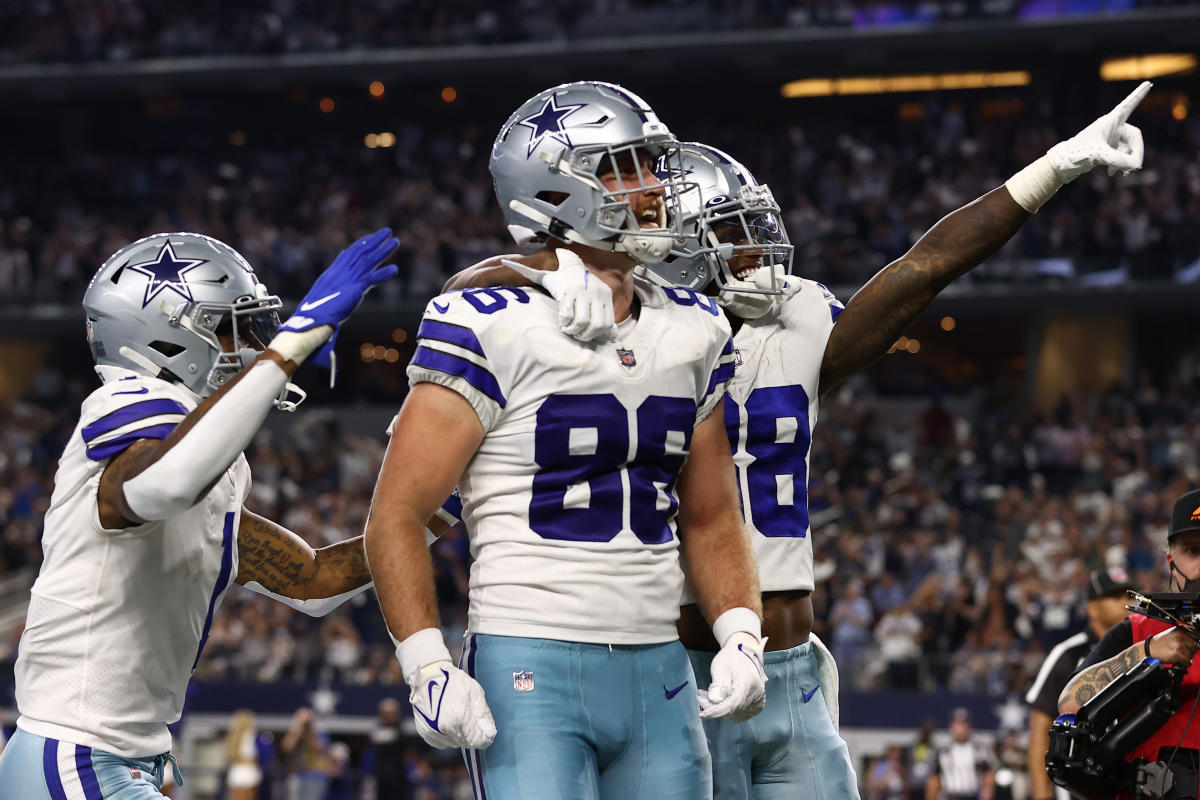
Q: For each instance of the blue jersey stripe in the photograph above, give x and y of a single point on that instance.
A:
(87, 774)
(50, 770)
(131, 413)
(222, 582)
(450, 333)
(835, 309)
(451, 508)
(472, 373)
(722, 374)
(113, 446)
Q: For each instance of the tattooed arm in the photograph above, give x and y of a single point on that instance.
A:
(1087, 684)
(896, 296)
(274, 561)
(892, 300)
(1172, 646)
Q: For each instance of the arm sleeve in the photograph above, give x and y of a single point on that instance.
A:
(172, 484)
(1118, 638)
(450, 353)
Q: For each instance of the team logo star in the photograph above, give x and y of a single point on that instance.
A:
(549, 122)
(167, 271)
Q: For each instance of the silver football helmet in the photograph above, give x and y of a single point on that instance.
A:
(549, 157)
(734, 229)
(183, 307)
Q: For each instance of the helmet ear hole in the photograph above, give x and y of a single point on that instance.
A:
(168, 349)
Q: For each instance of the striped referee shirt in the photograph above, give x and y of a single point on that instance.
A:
(961, 766)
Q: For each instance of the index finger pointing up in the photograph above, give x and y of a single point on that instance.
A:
(1126, 106)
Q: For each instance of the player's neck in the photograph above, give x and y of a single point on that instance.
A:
(616, 270)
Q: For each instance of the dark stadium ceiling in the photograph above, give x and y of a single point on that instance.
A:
(783, 54)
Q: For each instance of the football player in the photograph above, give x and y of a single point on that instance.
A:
(573, 462)
(789, 352)
(146, 528)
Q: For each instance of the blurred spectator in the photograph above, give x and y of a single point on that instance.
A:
(920, 760)
(244, 775)
(888, 779)
(387, 752)
(307, 759)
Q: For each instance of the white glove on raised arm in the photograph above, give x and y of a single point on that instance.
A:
(739, 682)
(1109, 141)
(585, 303)
(448, 704)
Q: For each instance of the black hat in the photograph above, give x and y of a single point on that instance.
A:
(1186, 514)
(1107, 583)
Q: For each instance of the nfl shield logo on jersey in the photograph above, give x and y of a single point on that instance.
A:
(626, 356)
(523, 681)
(737, 357)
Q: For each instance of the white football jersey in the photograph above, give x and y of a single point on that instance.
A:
(117, 619)
(770, 411)
(570, 500)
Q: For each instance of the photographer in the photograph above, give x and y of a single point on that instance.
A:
(1126, 644)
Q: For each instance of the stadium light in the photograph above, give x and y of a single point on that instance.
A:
(886, 84)
(376, 88)
(326, 104)
(449, 94)
(1153, 65)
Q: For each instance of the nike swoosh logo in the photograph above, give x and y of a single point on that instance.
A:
(442, 309)
(753, 656)
(806, 696)
(315, 303)
(437, 712)
(672, 692)
(142, 390)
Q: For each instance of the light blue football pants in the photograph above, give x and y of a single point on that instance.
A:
(789, 750)
(587, 721)
(34, 768)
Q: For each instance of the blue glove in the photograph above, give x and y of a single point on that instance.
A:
(341, 287)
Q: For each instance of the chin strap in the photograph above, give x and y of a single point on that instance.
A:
(642, 248)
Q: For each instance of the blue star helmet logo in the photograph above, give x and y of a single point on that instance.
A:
(549, 122)
(166, 271)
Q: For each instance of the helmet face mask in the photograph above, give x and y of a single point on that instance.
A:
(733, 232)
(578, 162)
(179, 306)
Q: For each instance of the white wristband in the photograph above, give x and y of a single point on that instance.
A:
(299, 345)
(740, 619)
(423, 648)
(1034, 185)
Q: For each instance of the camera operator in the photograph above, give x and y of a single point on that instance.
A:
(1106, 598)
(1126, 644)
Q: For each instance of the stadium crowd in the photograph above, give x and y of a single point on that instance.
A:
(125, 30)
(966, 534)
(855, 196)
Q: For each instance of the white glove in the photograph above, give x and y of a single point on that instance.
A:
(739, 683)
(585, 303)
(786, 285)
(1109, 141)
(448, 705)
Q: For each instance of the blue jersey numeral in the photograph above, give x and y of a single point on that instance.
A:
(489, 301)
(777, 439)
(581, 447)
